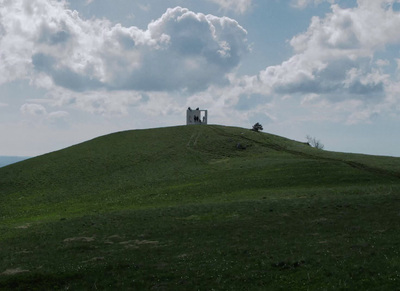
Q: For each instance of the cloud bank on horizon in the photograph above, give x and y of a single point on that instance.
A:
(342, 70)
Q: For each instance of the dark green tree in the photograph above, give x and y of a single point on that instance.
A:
(257, 127)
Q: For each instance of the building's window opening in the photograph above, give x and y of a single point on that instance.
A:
(196, 116)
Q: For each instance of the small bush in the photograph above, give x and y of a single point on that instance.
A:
(312, 141)
(257, 127)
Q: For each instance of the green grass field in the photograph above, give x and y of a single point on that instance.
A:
(188, 208)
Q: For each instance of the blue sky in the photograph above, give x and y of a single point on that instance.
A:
(73, 70)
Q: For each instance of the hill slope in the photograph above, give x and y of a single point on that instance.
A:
(164, 195)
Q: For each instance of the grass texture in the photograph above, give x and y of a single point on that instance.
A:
(199, 208)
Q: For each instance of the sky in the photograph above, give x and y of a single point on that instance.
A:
(74, 70)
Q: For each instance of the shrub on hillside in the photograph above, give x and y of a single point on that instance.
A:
(316, 143)
(257, 127)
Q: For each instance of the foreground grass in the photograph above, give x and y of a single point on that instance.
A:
(197, 213)
(317, 241)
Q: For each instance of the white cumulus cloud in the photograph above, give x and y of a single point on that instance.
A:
(336, 68)
(45, 41)
(334, 58)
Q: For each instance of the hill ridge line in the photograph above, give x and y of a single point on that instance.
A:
(350, 163)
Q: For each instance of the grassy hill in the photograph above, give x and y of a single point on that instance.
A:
(199, 207)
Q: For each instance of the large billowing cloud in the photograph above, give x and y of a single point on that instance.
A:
(335, 60)
(105, 68)
(45, 41)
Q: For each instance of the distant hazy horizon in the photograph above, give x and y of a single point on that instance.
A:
(8, 160)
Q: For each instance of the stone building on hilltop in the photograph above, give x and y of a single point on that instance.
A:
(196, 116)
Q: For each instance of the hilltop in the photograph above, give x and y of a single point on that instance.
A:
(207, 206)
(193, 162)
